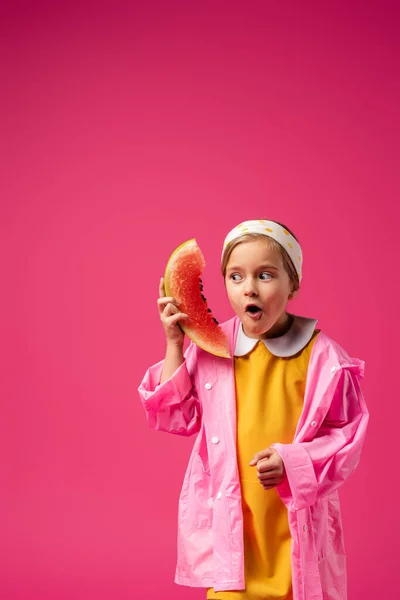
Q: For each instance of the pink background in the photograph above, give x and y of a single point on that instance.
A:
(125, 130)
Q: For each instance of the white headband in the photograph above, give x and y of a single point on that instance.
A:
(274, 231)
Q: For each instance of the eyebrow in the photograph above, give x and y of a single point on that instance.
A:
(266, 266)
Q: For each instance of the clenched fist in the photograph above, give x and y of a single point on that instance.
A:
(270, 467)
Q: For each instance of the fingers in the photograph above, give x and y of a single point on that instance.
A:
(270, 473)
(173, 320)
(267, 453)
(167, 306)
(271, 484)
(163, 300)
(170, 316)
(263, 477)
(270, 468)
(162, 303)
(170, 313)
(265, 466)
(161, 291)
(270, 480)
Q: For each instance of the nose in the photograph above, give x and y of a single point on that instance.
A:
(250, 288)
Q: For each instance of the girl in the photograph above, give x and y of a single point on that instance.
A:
(280, 427)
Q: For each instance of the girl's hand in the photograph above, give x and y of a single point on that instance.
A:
(270, 467)
(170, 315)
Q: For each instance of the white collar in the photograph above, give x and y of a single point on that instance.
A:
(289, 344)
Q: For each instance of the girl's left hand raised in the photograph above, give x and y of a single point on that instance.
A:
(270, 467)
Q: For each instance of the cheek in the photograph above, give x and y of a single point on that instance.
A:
(230, 293)
(233, 297)
(278, 297)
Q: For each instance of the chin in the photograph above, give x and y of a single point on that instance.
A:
(258, 329)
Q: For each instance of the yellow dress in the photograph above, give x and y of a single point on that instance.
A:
(269, 395)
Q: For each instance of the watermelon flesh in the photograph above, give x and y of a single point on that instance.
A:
(182, 281)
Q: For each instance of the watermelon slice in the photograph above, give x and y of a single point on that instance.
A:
(182, 280)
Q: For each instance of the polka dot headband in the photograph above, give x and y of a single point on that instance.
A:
(274, 231)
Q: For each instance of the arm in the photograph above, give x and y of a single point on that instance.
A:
(172, 405)
(167, 391)
(317, 468)
(173, 360)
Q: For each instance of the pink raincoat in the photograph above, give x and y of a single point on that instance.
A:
(200, 398)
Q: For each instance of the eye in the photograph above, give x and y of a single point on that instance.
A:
(265, 276)
(235, 277)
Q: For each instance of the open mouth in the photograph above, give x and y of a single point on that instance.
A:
(253, 311)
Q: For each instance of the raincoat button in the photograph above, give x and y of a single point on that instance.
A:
(208, 386)
(219, 496)
(215, 440)
(305, 527)
(333, 369)
(313, 423)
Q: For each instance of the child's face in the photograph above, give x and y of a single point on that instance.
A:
(255, 276)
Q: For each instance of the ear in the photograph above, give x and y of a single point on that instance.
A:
(293, 294)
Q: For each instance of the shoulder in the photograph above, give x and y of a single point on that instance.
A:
(327, 350)
(230, 325)
(199, 359)
(230, 328)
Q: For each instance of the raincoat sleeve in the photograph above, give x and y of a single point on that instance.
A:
(172, 406)
(318, 467)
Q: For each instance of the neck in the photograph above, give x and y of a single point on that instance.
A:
(281, 327)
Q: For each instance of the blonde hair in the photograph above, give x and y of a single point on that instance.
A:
(250, 237)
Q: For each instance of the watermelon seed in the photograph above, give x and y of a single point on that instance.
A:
(208, 309)
(215, 320)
